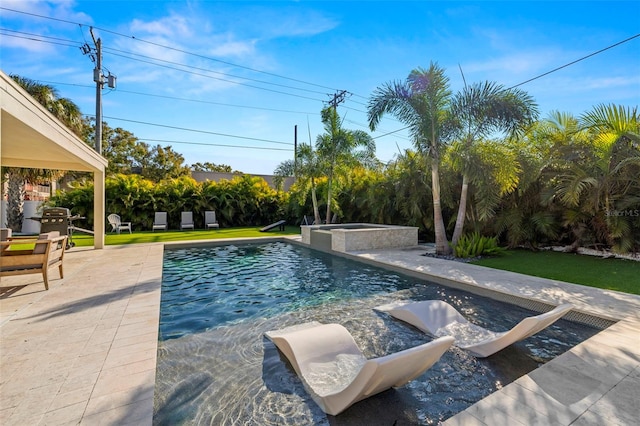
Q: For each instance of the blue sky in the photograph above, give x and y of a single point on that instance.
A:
(226, 82)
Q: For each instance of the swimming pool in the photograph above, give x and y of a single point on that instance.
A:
(215, 367)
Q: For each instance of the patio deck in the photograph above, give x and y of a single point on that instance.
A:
(84, 352)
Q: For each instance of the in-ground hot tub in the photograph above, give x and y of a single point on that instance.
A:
(346, 237)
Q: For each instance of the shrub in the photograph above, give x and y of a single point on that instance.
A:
(474, 245)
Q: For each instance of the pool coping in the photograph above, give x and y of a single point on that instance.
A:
(85, 351)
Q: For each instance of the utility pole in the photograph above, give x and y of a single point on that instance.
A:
(338, 98)
(98, 77)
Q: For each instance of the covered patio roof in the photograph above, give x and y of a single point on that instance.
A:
(31, 137)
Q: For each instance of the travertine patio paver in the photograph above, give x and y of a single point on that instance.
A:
(84, 351)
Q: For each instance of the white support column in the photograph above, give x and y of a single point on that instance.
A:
(98, 209)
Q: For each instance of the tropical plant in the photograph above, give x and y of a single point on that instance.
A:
(481, 110)
(62, 108)
(339, 150)
(131, 197)
(421, 102)
(595, 179)
(243, 201)
(366, 196)
(474, 245)
(411, 188)
(490, 170)
(307, 170)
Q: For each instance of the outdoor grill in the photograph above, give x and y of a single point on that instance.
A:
(60, 219)
(55, 219)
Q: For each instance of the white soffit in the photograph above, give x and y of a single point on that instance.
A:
(31, 137)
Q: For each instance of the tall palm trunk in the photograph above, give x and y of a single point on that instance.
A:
(314, 200)
(442, 244)
(15, 200)
(328, 217)
(462, 210)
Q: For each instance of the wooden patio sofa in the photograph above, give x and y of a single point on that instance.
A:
(48, 251)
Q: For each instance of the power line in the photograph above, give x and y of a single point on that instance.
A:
(186, 99)
(273, 74)
(224, 104)
(24, 34)
(62, 42)
(284, 77)
(171, 48)
(575, 62)
(206, 70)
(390, 133)
(71, 43)
(221, 79)
(196, 130)
(214, 144)
(546, 73)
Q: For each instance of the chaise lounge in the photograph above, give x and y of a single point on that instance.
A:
(336, 373)
(160, 221)
(48, 251)
(210, 220)
(186, 221)
(438, 318)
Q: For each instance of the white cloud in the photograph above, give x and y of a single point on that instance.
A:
(62, 9)
(602, 83)
(167, 27)
(233, 48)
(301, 24)
(18, 41)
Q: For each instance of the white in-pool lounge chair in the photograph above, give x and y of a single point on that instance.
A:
(438, 318)
(160, 221)
(186, 220)
(336, 373)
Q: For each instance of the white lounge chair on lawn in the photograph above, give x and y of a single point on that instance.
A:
(117, 225)
(160, 221)
(438, 318)
(186, 220)
(336, 373)
(210, 220)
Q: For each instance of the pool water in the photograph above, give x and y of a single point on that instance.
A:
(216, 367)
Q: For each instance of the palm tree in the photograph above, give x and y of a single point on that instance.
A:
(481, 110)
(339, 148)
(421, 102)
(615, 191)
(595, 179)
(307, 171)
(411, 189)
(490, 170)
(62, 108)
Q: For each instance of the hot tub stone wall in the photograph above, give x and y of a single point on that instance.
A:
(359, 236)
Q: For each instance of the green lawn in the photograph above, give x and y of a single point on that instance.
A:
(610, 274)
(81, 240)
